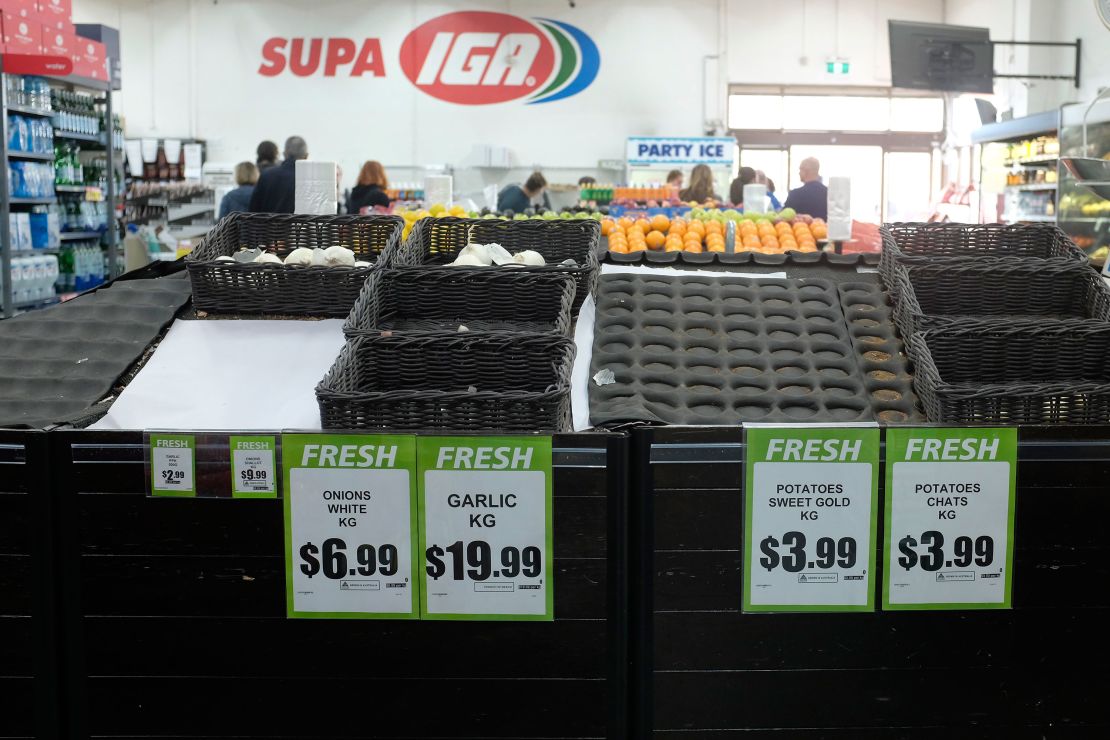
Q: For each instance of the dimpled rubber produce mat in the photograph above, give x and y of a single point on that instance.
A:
(880, 354)
(57, 362)
(716, 350)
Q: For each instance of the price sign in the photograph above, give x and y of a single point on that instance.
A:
(485, 528)
(949, 518)
(810, 518)
(252, 467)
(350, 511)
(172, 465)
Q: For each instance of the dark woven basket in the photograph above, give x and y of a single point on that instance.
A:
(458, 382)
(443, 298)
(220, 286)
(438, 241)
(951, 243)
(1024, 372)
(938, 294)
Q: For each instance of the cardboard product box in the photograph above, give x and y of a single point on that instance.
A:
(58, 43)
(21, 35)
(55, 10)
(110, 38)
(25, 9)
(89, 59)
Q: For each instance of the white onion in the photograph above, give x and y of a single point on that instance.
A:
(318, 257)
(268, 258)
(359, 263)
(339, 257)
(529, 257)
(499, 254)
(479, 252)
(299, 256)
(466, 260)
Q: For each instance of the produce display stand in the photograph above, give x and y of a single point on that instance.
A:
(174, 619)
(28, 646)
(706, 670)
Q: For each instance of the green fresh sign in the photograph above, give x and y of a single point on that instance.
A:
(173, 465)
(253, 473)
(810, 512)
(949, 518)
(485, 528)
(350, 534)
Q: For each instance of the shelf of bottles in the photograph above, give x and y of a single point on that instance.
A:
(57, 176)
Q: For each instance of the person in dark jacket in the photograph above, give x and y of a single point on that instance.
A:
(266, 155)
(736, 189)
(812, 198)
(518, 198)
(370, 189)
(277, 186)
(239, 199)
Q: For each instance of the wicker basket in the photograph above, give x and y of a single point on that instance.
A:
(220, 286)
(951, 243)
(938, 295)
(443, 298)
(1024, 372)
(438, 241)
(469, 382)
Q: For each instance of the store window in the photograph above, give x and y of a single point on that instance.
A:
(773, 162)
(878, 113)
(755, 112)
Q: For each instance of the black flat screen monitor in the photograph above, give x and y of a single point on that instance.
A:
(931, 56)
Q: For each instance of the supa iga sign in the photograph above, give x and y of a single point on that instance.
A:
(648, 151)
(467, 57)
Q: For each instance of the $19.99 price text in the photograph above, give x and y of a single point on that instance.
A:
(475, 560)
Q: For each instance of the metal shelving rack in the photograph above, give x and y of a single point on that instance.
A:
(7, 305)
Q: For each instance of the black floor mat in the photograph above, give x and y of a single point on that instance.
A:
(56, 363)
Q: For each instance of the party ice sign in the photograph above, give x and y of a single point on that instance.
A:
(809, 518)
(350, 505)
(647, 151)
(949, 518)
(485, 528)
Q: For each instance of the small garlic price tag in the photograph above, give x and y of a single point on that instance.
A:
(253, 467)
(172, 465)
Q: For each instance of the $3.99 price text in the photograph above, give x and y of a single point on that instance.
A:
(476, 560)
(828, 553)
(965, 552)
(332, 559)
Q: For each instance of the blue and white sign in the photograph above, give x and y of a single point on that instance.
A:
(648, 151)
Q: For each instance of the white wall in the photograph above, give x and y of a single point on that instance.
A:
(190, 69)
(788, 42)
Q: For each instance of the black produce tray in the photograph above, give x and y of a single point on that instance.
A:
(712, 350)
(879, 353)
(789, 259)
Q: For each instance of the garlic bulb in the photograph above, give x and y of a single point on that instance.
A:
(529, 257)
(339, 257)
(299, 256)
(360, 263)
(268, 258)
(225, 258)
(466, 260)
(479, 252)
(318, 257)
(499, 254)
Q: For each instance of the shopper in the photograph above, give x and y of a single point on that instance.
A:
(239, 199)
(701, 186)
(519, 198)
(812, 198)
(370, 189)
(276, 188)
(674, 179)
(266, 155)
(736, 190)
(586, 181)
(761, 176)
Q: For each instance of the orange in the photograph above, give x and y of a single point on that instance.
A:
(678, 227)
(625, 222)
(714, 226)
(635, 229)
(693, 247)
(696, 227)
(636, 247)
(644, 224)
(819, 231)
(606, 226)
(660, 223)
(655, 239)
(673, 245)
(714, 239)
(619, 248)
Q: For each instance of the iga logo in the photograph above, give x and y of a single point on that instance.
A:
(478, 57)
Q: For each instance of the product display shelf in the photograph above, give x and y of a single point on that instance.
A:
(705, 670)
(32, 156)
(210, 575)
(1018, 163)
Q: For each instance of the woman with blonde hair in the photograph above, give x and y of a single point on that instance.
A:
(370, 189)
(701, 186)
(239, 199)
